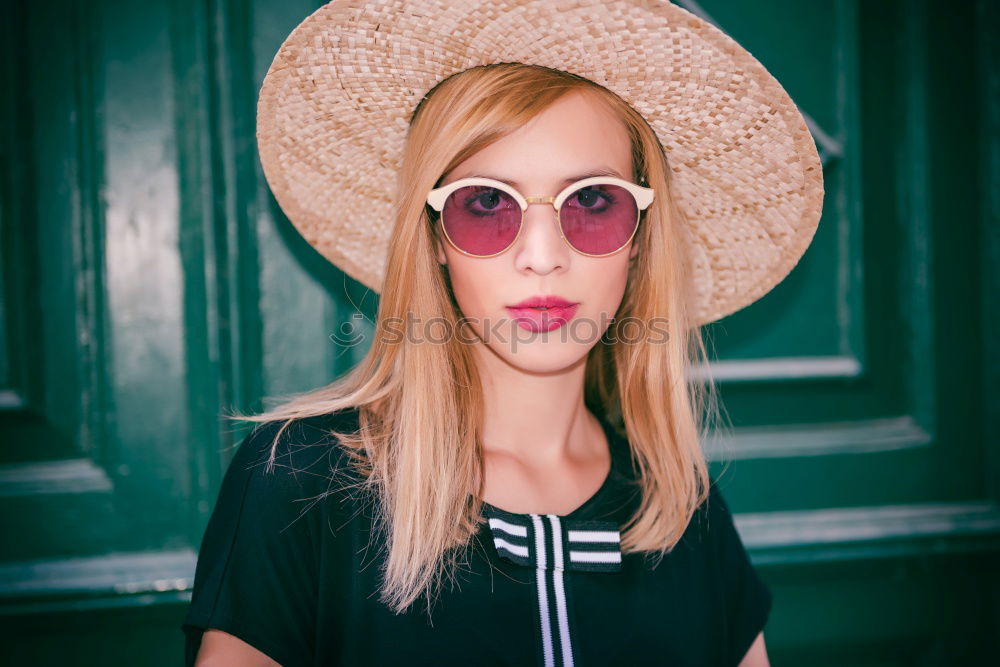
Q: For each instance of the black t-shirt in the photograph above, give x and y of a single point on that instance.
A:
(286, 566)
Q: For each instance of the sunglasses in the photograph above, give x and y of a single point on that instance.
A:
(597, 216)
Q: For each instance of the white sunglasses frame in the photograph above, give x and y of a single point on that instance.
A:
(643, 198)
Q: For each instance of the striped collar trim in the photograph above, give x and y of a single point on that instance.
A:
(549, 541)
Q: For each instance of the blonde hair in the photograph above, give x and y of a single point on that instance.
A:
(420, 405)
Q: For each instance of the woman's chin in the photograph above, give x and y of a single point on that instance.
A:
(541, 355)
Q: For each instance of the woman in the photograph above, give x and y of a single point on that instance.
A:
(513, 474)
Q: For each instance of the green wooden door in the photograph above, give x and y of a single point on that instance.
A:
(150, 282)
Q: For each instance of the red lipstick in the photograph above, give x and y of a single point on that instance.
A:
(542, 313)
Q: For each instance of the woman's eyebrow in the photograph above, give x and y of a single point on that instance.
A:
(602, 171)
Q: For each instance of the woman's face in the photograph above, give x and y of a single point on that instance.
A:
(574, 136)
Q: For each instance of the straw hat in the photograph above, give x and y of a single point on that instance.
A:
(335, 105)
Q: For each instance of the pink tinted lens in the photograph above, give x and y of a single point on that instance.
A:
(599, 219)
(481, 220)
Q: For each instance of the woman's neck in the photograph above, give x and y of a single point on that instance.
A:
(539, 419)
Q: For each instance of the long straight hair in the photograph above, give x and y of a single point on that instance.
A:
(420, 406)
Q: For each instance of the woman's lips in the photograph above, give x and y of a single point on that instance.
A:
(542, 319)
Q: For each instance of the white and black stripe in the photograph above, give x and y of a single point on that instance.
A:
(511, 540)
(551, 545)
(596, 550)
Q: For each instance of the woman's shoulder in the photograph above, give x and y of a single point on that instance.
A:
(311, 430)
(714, 526)
(262, 551)
(711, 521)
(297, 456)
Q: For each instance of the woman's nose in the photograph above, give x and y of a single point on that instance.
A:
(541, 247)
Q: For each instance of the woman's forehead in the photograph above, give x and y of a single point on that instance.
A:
(568, 141)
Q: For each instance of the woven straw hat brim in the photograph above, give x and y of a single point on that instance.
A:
(335, 104)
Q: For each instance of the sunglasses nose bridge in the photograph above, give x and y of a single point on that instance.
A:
(541, 200)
